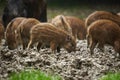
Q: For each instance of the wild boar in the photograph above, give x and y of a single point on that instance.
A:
(23, 31)
(24, 8)
(103, 32)
(102, 15)
(10, 32)
(36, 9)
(13, 9)
(46, 33)
(61, 23)
(76, 25)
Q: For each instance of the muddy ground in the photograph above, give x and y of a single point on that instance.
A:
(79, 65)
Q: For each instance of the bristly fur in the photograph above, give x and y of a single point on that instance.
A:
(74, 25)
(78, 27)
(46, 33)
(61, 22)
(102, 15)
(10, 32)
(103, 32)
(23, 31)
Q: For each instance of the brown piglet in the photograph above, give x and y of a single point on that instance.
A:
(103, 32)
(61, 23)
(46, 33)
(10, 32)
(23, 31)
(76, 25)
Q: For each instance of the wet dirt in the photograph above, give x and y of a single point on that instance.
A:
(79, 65)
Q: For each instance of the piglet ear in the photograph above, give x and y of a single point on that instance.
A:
(68, 38)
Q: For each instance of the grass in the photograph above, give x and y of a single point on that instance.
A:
(72, 11)
(77, 9)
(33, 75)
(111, 76)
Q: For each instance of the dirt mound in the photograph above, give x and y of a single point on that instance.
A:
(79, 65)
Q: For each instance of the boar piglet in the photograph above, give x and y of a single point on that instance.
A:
(103, 32)
(97, 15)
(78, 27)
(46, 33)
(61, 23)
(73, 24)
(23, 31)
(10, 32)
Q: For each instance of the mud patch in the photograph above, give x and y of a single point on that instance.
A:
(79, 65)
